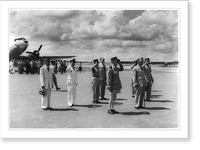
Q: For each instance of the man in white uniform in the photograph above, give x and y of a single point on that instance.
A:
(72, 82)
(46, 81)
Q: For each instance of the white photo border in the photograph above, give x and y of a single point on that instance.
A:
(180, 132)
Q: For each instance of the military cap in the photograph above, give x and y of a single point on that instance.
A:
(95, 60)
(73, 60)
(113, 58)
(147, 59)
(140, 60)
(101, 59)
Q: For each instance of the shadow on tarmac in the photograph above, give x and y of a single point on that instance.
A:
(64, 109)
(162, 101)
(156, 91)
(116, 103)
(155, 108)
(155, 96)
(134, 113)
(120, 99)
(89, 106)
(59, 90)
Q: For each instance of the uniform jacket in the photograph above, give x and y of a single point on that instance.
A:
(113, 81)
(102, 71)
(147, 72)
(95, 71)
(72, 76)
(138, 77)
(46, 77)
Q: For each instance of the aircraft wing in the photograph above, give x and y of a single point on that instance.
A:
(56, 57)
(20, 58)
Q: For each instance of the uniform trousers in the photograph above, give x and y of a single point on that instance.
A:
(46, 99)
(139, 96)
(55, 80)
(71, 98)
(113, 96)
(95, 88)
(148, 90)
(102, 86)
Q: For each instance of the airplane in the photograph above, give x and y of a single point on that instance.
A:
(21, 44)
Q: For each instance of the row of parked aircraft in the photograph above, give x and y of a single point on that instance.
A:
(19, 47)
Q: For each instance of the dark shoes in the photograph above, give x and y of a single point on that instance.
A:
(96, 102)
(58, 88)
(139, 107)
(147, 100)
(103, 98)
(48, 108)
(112, 111)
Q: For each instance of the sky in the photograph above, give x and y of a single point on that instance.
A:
(91, 34)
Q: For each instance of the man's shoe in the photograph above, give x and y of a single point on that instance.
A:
(58, 88)
(110, 112)
(96, 102)
(44, 109)
(114, 111)
(137, 107)
(49, 108)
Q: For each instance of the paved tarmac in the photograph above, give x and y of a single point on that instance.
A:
(26, 112)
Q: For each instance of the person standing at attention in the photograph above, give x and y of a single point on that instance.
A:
(95, 81)
(54, 76)
(46, 81)
(102, 78)
(138, 83)
(133, 88)
(114, 82)
(72, 82)
(149, 77)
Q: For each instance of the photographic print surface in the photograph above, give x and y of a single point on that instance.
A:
(86, 35)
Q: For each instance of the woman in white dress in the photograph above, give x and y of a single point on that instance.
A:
(72, 82)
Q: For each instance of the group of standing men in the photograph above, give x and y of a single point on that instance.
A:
(101, 78)
(141, 81)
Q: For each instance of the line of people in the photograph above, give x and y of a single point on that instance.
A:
(141, 81)
(33, 66)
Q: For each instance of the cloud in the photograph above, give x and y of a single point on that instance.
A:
(93, 33)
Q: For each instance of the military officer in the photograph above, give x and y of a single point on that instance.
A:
(95, 81)
(102, 78)
(139, 83)
(149, 77)
(72, 82)
(114, 82)
(46, 81)
(133, 88)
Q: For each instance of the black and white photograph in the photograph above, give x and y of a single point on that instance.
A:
(94, 68)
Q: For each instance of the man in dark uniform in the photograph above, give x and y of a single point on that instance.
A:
(102, 78)
(114, 82)
(149, 77)
(95, 81)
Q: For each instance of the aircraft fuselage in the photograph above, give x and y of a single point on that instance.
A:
(19, 46)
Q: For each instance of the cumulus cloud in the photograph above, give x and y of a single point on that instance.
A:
(93, 33)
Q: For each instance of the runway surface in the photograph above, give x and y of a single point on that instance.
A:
(161, 112)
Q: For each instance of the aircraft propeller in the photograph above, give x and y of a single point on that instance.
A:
(36, 52)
